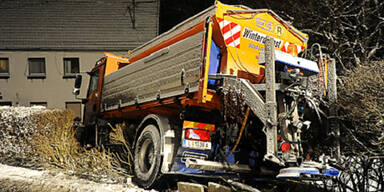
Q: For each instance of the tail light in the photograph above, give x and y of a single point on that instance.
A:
(197, 134)
(285, 147)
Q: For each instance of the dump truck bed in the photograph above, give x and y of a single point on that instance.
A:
(177, 61)
(168, 65)
(165, 73)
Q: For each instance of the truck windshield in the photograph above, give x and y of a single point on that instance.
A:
(93, 82)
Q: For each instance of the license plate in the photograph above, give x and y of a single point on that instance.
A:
(197, 144)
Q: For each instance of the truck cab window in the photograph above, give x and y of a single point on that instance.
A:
(93, 82)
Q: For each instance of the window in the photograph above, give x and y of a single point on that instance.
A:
(75, 107)
(5, 103)
(71, 67)
(36, 67)
(45, 104)
(94, 82)
(4, 68)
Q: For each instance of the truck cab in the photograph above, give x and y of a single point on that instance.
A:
(92, 105)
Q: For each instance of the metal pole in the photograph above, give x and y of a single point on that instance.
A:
(271, 125)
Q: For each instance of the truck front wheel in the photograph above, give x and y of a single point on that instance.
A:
(147, 157)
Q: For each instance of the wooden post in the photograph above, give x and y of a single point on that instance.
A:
(332, 96)
(271, 113)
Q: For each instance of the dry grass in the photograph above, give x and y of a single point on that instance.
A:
(57, 147)
(117, 137)
(45, 138)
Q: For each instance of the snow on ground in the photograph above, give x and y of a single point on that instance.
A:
(22, 179)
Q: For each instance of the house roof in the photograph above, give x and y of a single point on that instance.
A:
(105, 25)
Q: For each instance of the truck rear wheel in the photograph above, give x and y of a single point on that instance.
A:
(147, 157)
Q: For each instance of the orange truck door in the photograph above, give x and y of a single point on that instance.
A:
(92, 106)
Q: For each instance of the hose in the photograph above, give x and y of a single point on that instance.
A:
(241, 130)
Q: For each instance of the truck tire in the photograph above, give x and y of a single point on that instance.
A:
(147, 157)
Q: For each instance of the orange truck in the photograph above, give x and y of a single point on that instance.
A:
(221, 93)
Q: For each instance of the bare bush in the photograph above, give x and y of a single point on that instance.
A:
(125, 157)
(361, 173)
(45, 138)
(56, 145)
(17, 128)
(361, 103)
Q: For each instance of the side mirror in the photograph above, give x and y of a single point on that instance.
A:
(78, 81)
(76, 92)
(76, 88)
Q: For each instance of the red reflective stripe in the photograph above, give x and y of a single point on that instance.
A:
(236, 35)
(232, 38)
(229, 40)
(228, 27)
(219, 19)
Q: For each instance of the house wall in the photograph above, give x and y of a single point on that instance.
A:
(53, 89)
(54, 29)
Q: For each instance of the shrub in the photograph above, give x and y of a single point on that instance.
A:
(46, 138)
(361, 103)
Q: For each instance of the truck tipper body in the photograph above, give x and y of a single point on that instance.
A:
(221, 93)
